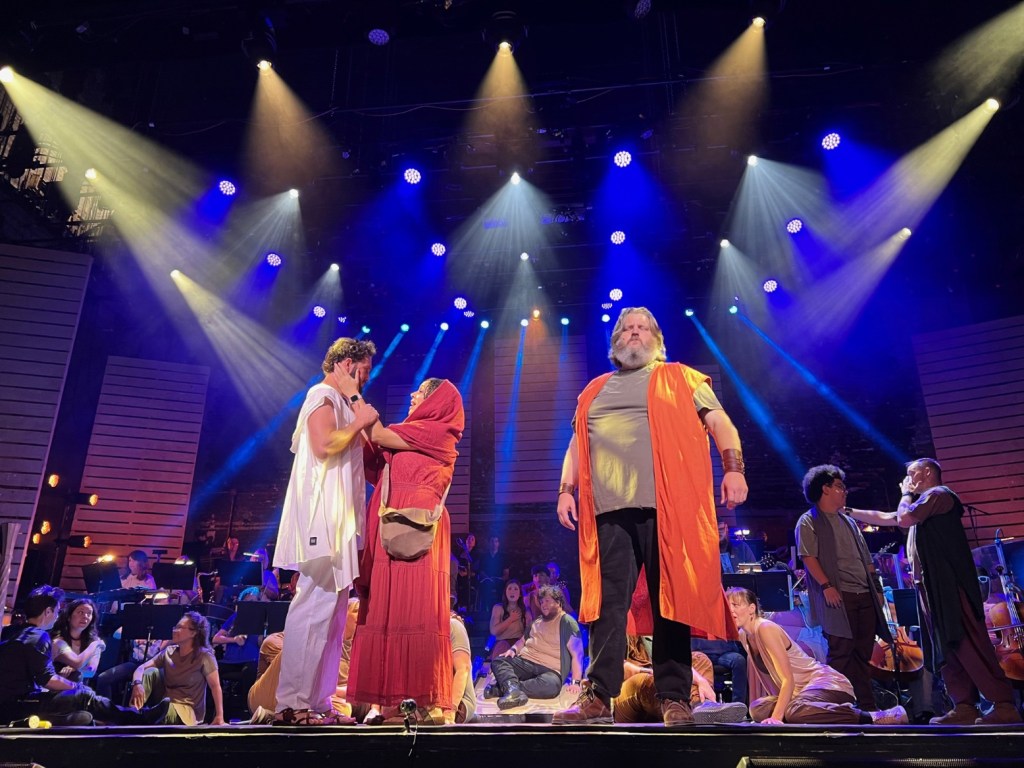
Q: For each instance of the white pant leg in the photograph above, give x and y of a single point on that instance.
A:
(313, 633)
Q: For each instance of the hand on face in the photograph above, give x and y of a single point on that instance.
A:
(366, 414)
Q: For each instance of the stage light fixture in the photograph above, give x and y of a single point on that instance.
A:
(615, 294)
(263, 65)
(733, 309)
(404, 327)
(319, 311)
(378, 36)
(524, 256)
(905, 233)
(90, 174)
(606, 305)
(622, 158)
(274, 259)
(565, 321)
(504, 32)
(505, 47)
(293, 193)
(770, 286)
(342, 319)
(226, 187)
(688, 312)
(752, 160)
(412, 176)
(460, 302)
(515, 178)
(606, 318)
(438, 249)
(618, 237)
(830, 141)
(6, 75)
(45, 527)
(724, 243)
(758, 22)
(444, 326)
(53, 480)
(536, 314)
(484, 324)
(992, 105)
(794, 225)
(365, 329)
(335, 267)
(469, 313)
(175, 273)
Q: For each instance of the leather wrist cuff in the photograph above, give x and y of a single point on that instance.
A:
(566, 488)
(732, 460)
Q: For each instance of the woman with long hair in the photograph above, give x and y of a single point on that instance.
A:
(77, 646)
(402, 646)
(182, 673)
(800, 689)
(509, 618)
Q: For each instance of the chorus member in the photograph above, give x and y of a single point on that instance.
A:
(943, 567)
(77, 646)
(182, 673)
(402, 647)
(800, 689)
(321, 529)
(732, 553)
(639, 457)
(29, 684)
(509, 619)
(842, 584)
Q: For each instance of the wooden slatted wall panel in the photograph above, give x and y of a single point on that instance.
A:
(973, 383)
(458, 496)
(141, 460)
(532, 427)
(41, 294)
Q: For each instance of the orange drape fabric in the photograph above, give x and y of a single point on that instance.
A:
(691, 582)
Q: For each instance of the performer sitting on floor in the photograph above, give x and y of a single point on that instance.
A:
(539, 662)
(77, 646)
(801, 690)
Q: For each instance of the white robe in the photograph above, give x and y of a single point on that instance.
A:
(323, 506)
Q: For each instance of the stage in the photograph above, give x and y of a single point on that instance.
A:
(712, 746)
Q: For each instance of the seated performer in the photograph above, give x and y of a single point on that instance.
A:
(509, 619)
(77, 646)
(539, 662)
(29, 685)
(801, 690)
(138, 574)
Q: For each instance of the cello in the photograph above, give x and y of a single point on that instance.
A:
(903, 658)
(1006, 620)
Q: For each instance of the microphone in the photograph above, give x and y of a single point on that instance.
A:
(407, 707)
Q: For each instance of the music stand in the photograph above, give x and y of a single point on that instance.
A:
(153, 622)
(174, 576)
(101, 577)
(774, 589)
(256, 618)
(239, 572)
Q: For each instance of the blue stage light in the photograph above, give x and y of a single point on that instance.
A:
(274, 259)
(412, 176)
(484, 324)
(378, 36)
(623, 158)
(404, 327)
(438, 249)
(794, 225)
(688, 312)
(565, 321)
(830, 141)
(365, 329)
(615, 294)
(524, 322)
(227, 188)
(770, 286)
(469, 313)
(733, 309)
(606, 318)
(460, 302)
(319, 311)
(444, 326)
(618, 237)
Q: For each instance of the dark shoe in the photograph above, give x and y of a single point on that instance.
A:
(895, 716)
(514, 697)
(492, 691)
(711, 712)
(676, 713)
(74, 718)
(156, 714)
(590, 709)
(1003, 713)
(961, 714)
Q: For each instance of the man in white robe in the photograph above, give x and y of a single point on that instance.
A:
(321, 530)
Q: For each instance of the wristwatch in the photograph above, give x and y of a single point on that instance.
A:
(355, 399)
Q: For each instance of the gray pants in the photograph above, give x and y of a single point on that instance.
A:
(537, 682)
(812, 706)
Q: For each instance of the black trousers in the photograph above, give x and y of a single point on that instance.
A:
(628, 539)
(56, 704)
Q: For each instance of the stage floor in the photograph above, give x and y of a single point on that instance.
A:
(631, 746)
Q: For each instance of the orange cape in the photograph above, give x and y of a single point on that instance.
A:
(691, 576)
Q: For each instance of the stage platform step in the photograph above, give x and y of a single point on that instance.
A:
(722, 746)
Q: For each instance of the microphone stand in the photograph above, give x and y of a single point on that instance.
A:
(971, 512)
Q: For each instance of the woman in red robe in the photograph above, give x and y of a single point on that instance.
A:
(402, 645)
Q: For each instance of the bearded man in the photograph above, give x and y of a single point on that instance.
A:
(639, 457)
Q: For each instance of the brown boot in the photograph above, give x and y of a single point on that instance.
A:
(961, 714)
(589, 709)
(676, 713)
(1003, 713)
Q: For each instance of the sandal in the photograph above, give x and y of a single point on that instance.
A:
(422, 716)
(310, 717)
